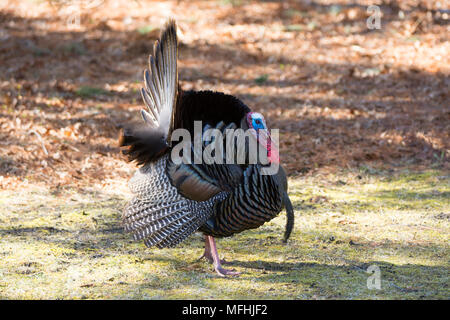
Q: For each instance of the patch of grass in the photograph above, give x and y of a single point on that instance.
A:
(88, 92)
(335, 9)
(234, 3)
(76, 48)
(70, 245)
(39, 52)
(145, 29)
(262, 79)
(294, 27)
(295, 13)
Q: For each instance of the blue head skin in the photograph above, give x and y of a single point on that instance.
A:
(255, 120)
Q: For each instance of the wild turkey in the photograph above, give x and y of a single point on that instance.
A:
(172, 201)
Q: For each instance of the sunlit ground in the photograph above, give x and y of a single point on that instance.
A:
(64, 246)
(364, 137)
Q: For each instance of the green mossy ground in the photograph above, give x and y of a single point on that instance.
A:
(70, 245)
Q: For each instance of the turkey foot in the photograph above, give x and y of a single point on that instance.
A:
(208, 255)
(212, 256)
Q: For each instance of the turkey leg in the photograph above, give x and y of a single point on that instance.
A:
(212, 256)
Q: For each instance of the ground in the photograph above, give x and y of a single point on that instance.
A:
(364, 119)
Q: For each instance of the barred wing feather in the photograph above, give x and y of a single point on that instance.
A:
(158, 214)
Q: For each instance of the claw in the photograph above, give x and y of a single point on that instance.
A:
(213, 257)
(211, 260)
(224, 272)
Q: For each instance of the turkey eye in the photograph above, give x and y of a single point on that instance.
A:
(258, 121)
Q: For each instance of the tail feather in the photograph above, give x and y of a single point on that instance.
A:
(143, 143)
(289, 217)
(161, 82)
(148, 142)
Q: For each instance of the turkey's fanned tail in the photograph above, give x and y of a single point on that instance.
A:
(161, 82)
(149, 141)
